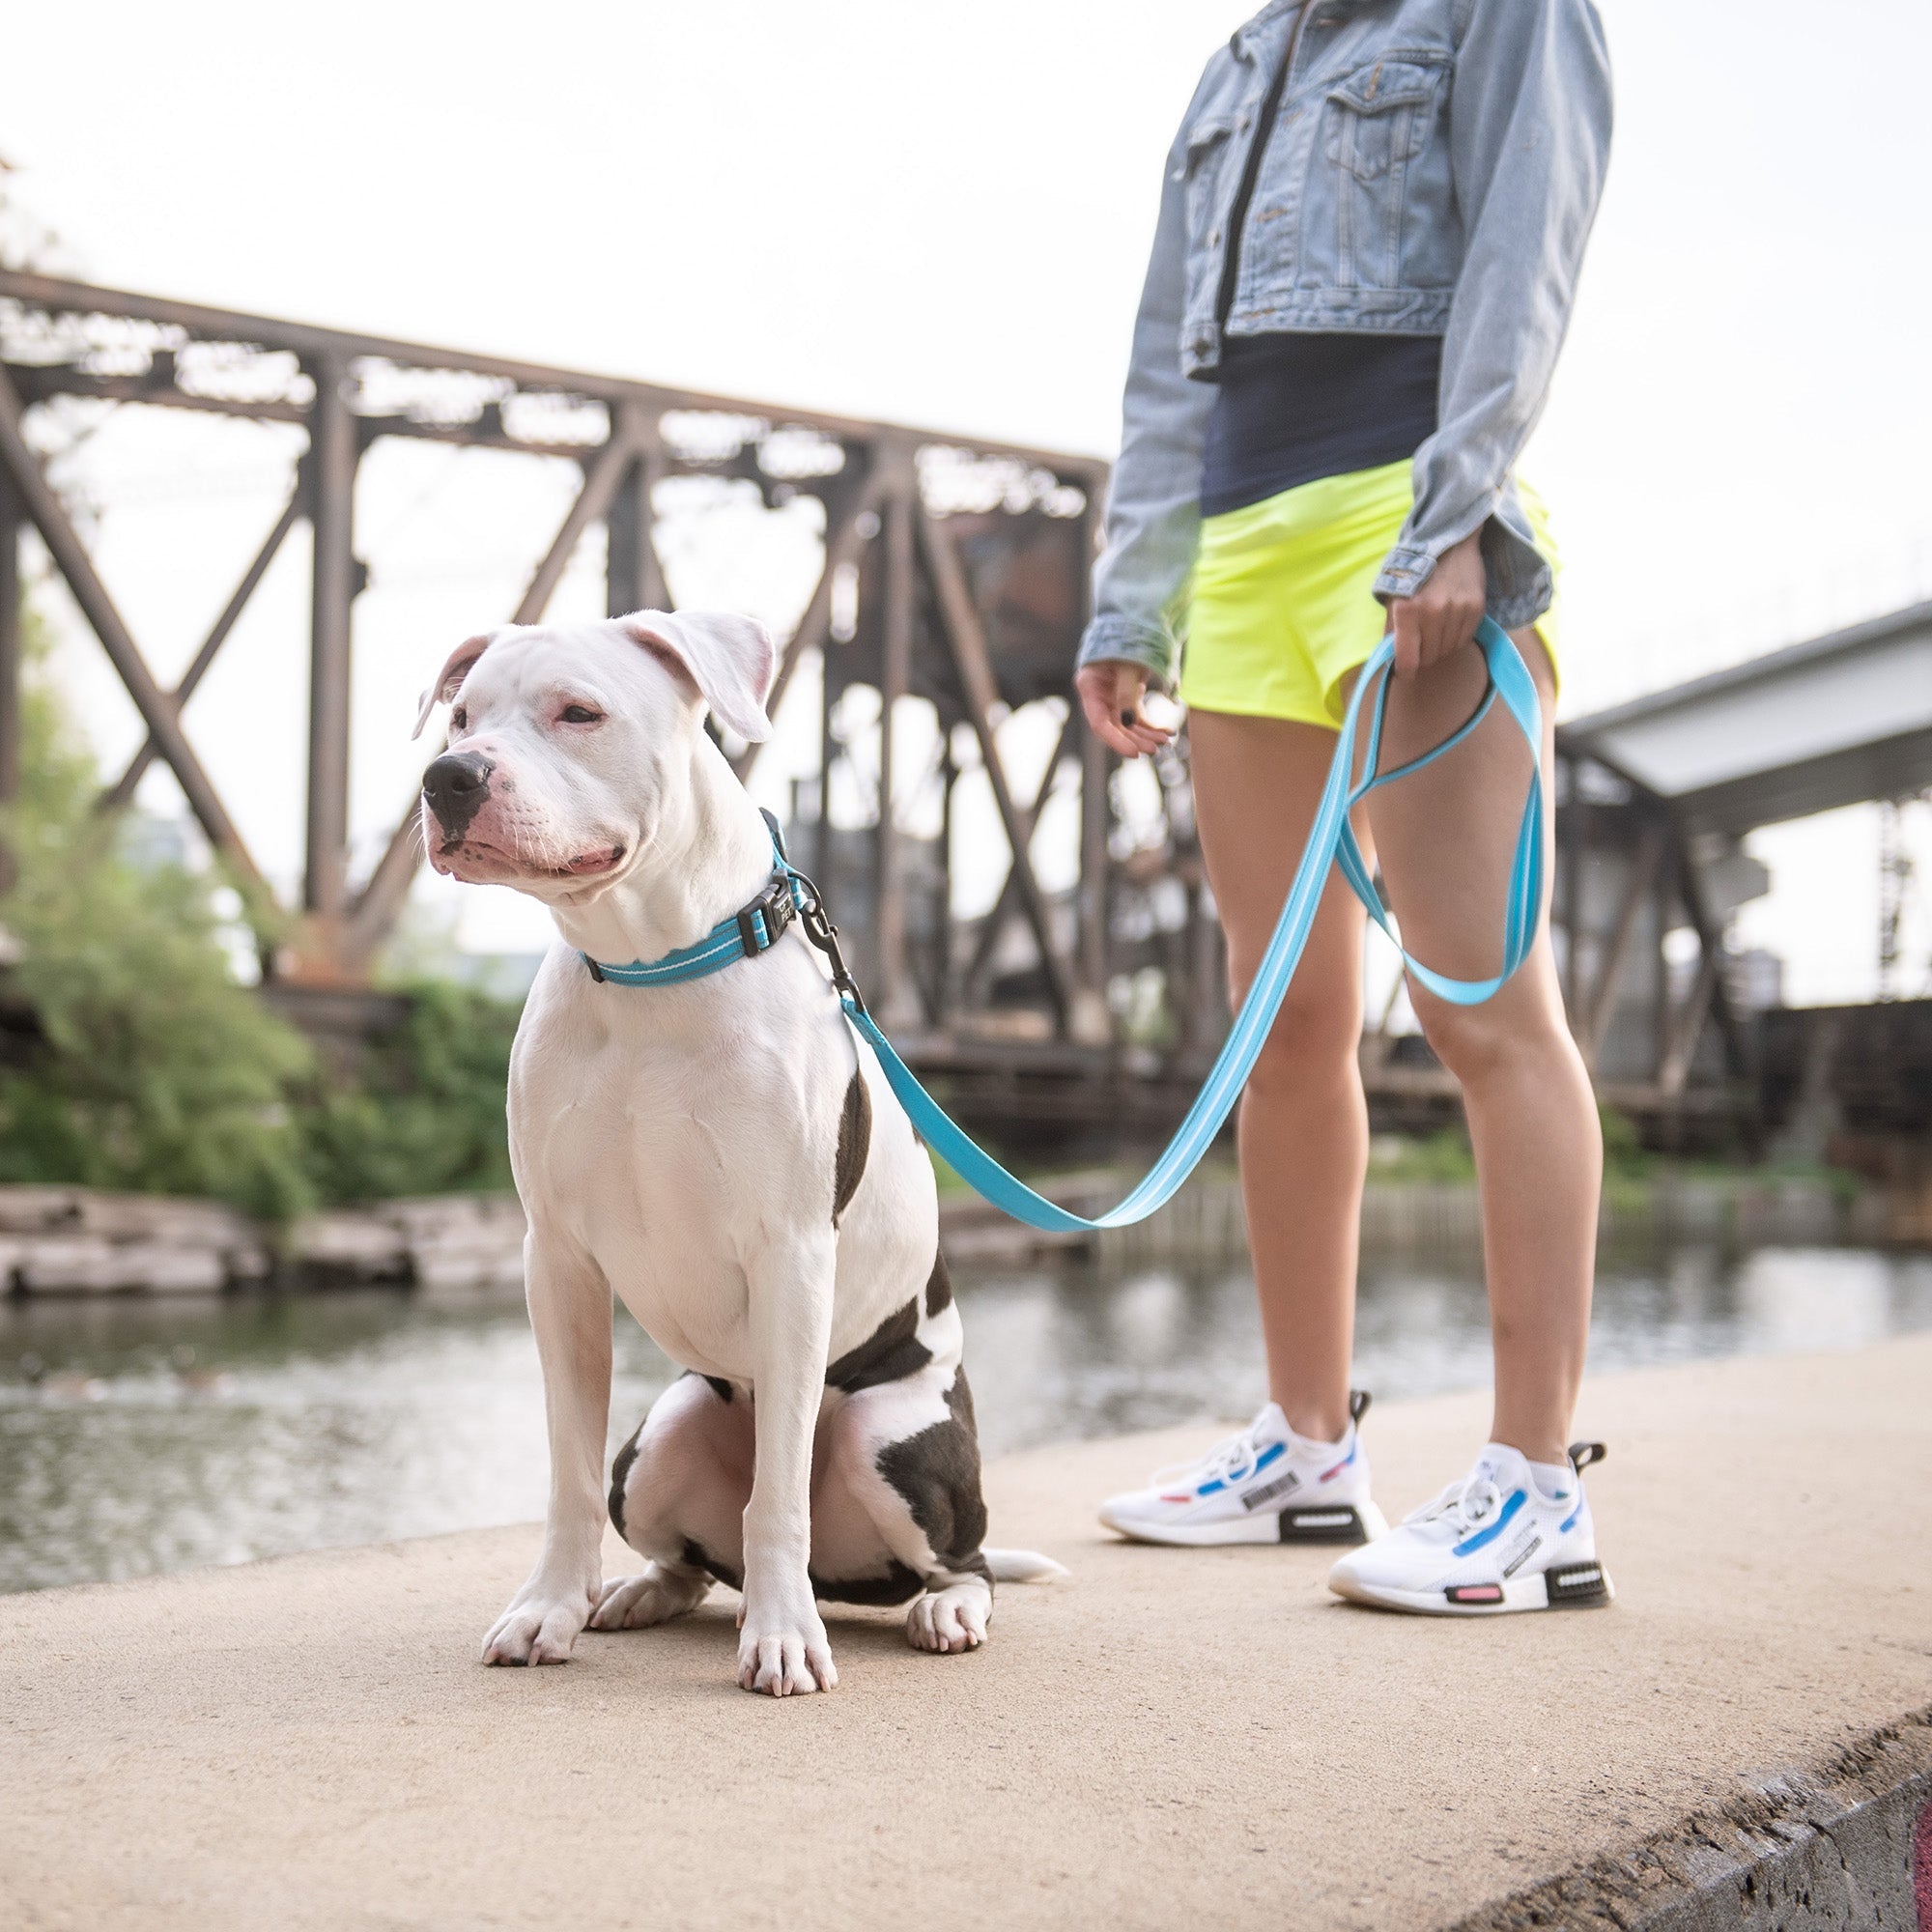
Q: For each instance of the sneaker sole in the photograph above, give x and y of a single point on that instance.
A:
(1355, 1523)
(1569, 1586)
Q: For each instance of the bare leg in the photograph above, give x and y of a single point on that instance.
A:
(1445, 837)
(1303, 1129)
(570, 1314)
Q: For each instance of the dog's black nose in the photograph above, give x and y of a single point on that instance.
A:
(455, 785)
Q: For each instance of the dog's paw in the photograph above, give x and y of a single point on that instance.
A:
(536, 1628)
(951, 1619)
(653, 1596)
(785, 1655)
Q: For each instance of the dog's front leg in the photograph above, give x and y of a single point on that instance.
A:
(570, 1315)
(781, 1643)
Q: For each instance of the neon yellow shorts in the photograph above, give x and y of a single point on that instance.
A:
(1282, 606)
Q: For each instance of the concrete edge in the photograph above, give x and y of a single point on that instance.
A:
(1825, 1846)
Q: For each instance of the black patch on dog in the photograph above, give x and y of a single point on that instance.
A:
(938, 1286)
(890, 1354)
(937, 1472)
(620, 1474)
(694, 1556)
(720, 1387)
(855, 1142)
(899, 1585)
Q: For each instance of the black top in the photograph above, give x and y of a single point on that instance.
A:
(1292, 407)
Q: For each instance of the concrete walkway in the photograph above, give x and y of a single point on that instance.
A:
(1169, 1739)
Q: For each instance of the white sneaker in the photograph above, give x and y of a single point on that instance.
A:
(1266, 1485)
(1494, 1541)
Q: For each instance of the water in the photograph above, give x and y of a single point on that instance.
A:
(170, 1434)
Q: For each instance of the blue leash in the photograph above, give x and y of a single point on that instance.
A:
(1331, 841)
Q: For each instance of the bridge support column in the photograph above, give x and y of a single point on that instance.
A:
(896, 1006)
(632, 575)
(334, 453)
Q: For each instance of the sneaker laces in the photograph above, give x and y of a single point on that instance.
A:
(1233, 1462)
(1462, 1506)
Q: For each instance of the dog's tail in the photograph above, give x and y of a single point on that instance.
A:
(1022, 1566)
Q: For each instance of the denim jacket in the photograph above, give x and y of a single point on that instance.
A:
(1435, 169)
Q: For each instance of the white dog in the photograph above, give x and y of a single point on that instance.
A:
(720, 1154)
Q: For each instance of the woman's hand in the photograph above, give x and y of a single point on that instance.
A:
(1442, 616)
(1111, 694)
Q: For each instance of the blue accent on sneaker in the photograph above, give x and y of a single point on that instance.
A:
(1273, 1453)
(1569, 1521)
(1483, 1538)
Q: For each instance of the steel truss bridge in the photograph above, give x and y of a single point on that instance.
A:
(972, 598)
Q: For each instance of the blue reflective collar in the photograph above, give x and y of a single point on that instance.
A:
(744, 934)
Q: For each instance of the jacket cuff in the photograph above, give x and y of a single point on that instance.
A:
(1404, 571)
(1111, 639)
(1515, 604)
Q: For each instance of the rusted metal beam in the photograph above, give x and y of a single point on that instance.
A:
(894, 680)
(70, 554)
(633, 578)
(1603, 1000)
(844, 543)
(1687, 1023)
(121, 792)
(312, 343)
(37, 381)
(1739, 1059)
(960, 624)
(1093, 1021)
(333, 452)
(1007, 902)
(600, 486)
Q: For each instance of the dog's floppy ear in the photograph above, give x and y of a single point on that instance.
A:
(449, 679)
(730, 659)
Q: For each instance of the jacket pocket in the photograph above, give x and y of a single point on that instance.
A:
(1379, 115)
(1203, 141)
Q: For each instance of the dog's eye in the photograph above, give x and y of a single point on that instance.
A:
(458, 719)
(579, 714)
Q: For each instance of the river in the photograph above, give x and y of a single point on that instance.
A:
(143, 1434)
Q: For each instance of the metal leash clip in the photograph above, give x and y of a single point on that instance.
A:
(817, 927)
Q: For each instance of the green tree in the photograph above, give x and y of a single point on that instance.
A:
(156, 1071)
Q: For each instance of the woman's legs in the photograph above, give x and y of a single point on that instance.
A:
(1444, 837)
(1303, 1127)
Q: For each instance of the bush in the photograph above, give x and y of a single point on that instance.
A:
(426, 1113)
(157, 1073)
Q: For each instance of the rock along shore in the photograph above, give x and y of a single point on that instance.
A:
(60, 1241)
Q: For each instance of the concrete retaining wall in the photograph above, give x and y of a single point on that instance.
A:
(1844, 1847)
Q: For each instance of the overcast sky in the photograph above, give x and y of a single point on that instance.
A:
(941, 215)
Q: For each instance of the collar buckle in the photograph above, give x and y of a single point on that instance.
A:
(762, 923)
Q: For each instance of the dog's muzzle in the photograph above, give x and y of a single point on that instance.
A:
(455, 785)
